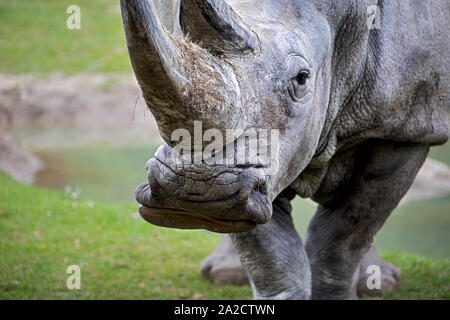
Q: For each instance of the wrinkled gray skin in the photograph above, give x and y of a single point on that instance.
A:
(357, 111)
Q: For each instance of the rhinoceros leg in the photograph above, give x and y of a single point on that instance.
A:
(390, 275)
(342, 230)
(224, 266)
(274, 256)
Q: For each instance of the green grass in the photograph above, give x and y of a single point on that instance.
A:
(422, 278)
(34, 37)
(120, 255)
(123, 257)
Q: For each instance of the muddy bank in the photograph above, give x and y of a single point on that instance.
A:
(433, 181)
(80, 101)
(57, 110)
(16, 161)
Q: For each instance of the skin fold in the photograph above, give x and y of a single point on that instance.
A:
(356, 108)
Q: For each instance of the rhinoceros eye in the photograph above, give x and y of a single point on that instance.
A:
(302, 77)
(298, 87)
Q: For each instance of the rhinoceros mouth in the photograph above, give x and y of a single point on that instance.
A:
(180, 219)
(218, 198)
(225, 215)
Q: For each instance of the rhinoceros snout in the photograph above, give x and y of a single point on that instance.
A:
(217, 198)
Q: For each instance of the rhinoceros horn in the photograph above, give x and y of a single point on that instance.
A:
(213, 23)
(155, 57)
(178, 78)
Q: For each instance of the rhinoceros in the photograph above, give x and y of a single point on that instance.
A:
(358, 93)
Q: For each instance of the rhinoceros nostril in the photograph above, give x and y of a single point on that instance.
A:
(143, 193)
(260, 187)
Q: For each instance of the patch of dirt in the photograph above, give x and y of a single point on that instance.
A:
(81, 101)
(433, 181)
(16, 161)
(60, 110)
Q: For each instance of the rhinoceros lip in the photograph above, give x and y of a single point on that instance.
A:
(179, 219)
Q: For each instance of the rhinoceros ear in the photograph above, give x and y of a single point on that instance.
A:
(215, 25)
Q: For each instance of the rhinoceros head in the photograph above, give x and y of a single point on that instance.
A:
(227, 67)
